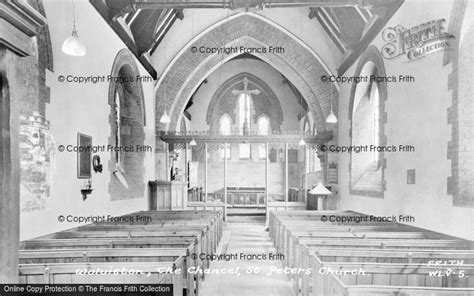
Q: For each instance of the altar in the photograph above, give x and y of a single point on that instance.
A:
(246, 197)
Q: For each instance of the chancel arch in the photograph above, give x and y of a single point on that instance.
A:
(186, 72)
(127, 121)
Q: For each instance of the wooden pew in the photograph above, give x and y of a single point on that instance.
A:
(67, 273)
(203, 243)
(189, 245)
(217, 216)
(293, 232)
(212, 219)
(299, 256)
(175, 232)
(338, 278)
(163, 242)
(281, 235)
(285, 233)
(114, 255)
(294, 245)
(300, 235)
(434, 259)
(208, 235)
(211, 224)
(288, 240)
(393, 256)
(276, 217)
(311, 220)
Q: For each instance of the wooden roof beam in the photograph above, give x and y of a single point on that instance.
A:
(239, 4)
(382, 12)
(120, 27)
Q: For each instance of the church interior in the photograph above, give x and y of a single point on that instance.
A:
(263, 147)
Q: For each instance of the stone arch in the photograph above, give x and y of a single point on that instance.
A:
(300, 65)
(266, 96)
(124, 64)
(45, 48)
(370, 63)
(126, 96)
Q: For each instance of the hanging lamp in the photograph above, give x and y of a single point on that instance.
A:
(331, 117)
(73, 46)
(165, 118)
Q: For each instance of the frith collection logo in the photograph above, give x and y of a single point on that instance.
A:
(415, 42)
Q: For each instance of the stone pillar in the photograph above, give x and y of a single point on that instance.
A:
(19, 24)
(206, 164)
(225, 181)
(286, 176)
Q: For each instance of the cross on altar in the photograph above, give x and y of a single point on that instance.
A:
(246, 91)
(248, 94)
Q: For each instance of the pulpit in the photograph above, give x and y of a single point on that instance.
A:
(168, 195)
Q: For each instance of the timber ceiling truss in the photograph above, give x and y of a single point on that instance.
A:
(142, 24)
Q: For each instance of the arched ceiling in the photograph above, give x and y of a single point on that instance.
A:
(142, 24)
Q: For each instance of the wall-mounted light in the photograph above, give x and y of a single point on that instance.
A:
(193, 142)
(73, 45)
(86, 189)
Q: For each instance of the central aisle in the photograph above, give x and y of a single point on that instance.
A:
(246, 235)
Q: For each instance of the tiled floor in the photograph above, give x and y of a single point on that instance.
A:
(246, 236)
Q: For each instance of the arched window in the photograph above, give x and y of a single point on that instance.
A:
(127, 121)
(224, 130)
(374, 97)
(244, 113)
(367, 127)
(244, 124)
(119, 160)
(263, 130)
